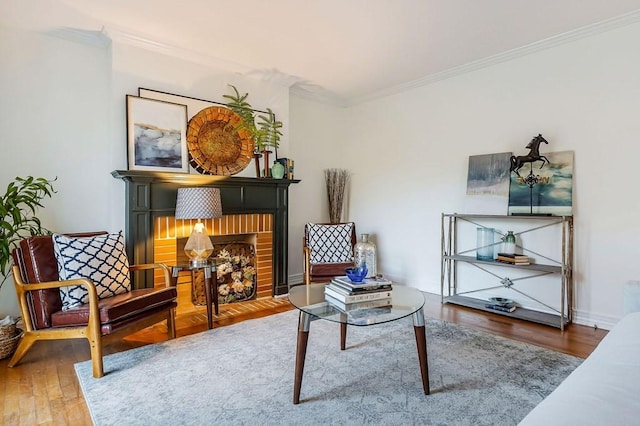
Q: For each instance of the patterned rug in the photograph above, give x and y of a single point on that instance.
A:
(243, 374)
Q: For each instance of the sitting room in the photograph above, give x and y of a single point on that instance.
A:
(231, 160)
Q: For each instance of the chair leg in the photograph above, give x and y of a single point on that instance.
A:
(25, 344)
(96, 358)
(171, 324)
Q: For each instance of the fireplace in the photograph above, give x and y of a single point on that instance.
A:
(249, 205)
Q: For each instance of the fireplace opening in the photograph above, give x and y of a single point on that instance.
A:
(244, 245)
(236, 272)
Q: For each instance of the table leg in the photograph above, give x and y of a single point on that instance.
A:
(343, 335)
(207, 294)
(304, 320)
(174, 275)
(421, 343)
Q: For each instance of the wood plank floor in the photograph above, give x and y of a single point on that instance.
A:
(43, 388)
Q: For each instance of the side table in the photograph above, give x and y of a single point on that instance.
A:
(209, 284)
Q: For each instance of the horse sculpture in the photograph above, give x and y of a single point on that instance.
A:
(531, 157)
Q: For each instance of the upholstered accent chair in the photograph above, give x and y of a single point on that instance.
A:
(328, 250)
(97, 314)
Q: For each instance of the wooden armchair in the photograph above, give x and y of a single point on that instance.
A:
(100, 321)
(328, 250)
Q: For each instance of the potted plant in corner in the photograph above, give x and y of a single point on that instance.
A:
(18, 216)
(266, 134)
(18, 220)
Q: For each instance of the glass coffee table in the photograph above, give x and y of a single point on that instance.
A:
(310, 301)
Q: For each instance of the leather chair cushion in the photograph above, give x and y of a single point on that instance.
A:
(118, 308)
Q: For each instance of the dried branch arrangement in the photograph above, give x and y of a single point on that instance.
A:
(336, 180)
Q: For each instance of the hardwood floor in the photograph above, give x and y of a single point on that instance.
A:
(43, 388)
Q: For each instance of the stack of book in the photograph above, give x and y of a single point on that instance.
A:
(513, 259)
(504, 307)
(347, 295)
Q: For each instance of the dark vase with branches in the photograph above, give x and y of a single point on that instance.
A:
(18, 216)
(336, 180)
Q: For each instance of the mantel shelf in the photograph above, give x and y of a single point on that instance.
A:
(197, 179)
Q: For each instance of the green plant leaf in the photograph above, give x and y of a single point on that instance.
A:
(18, 208)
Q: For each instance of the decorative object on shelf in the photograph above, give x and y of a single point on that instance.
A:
(266, 133)
(336, 180)
(288, 167)
(552, 195)
(198, 203)
(18, 219)
(216, 143)
(364, 254)
(277, 170)
(533, 156)
(356, 273)
(156, 135)
(485, 244)
(509, 243)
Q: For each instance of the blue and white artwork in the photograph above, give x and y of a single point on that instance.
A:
(552, 194)
(489, 174)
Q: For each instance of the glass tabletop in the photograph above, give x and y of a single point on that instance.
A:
(310, 299)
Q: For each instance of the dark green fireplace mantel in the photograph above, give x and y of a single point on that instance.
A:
(151, 194)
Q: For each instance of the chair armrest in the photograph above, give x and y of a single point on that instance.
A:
(145, 266)
(22, 288)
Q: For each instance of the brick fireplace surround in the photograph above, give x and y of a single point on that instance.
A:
(249, 206)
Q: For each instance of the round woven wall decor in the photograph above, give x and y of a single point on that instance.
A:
(215, 144)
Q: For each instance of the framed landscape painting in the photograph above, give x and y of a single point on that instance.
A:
(488, 174)
(156, 135)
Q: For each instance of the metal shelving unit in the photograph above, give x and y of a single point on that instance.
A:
(562, 267)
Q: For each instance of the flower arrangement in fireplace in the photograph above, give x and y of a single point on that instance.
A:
(236, 276)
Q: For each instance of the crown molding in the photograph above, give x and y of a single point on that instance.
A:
(93, 38)
(548, 43)
(186, 54)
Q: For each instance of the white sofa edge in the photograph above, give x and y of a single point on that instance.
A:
(604, 389)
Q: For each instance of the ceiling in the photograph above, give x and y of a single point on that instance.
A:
(344, 51)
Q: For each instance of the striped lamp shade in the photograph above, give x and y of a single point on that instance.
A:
(198, 203)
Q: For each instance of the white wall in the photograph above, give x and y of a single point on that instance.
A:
(52, 115)
(408, 155)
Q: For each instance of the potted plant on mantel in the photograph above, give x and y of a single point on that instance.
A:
(266, 134)
(18, 216)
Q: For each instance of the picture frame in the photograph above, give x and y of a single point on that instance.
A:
(552, 195)
(156, 135)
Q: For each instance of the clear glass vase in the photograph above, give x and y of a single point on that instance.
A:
(485, 244)
(364, 252)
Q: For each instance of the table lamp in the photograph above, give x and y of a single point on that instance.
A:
(198, 203)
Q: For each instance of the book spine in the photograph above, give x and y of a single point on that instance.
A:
(357, 290)
(356, 297)
(500, 308)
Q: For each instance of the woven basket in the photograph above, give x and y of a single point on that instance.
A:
(8, 345)
(7, 331)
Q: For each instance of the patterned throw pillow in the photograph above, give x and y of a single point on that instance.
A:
(101, 258)
(330, 243)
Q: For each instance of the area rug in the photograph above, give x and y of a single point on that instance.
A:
(243, 374)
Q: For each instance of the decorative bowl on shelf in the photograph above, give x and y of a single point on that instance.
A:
(500, 301)
(356, 273)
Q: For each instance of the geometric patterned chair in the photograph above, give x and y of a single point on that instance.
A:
(328, 250)
(98, 312)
